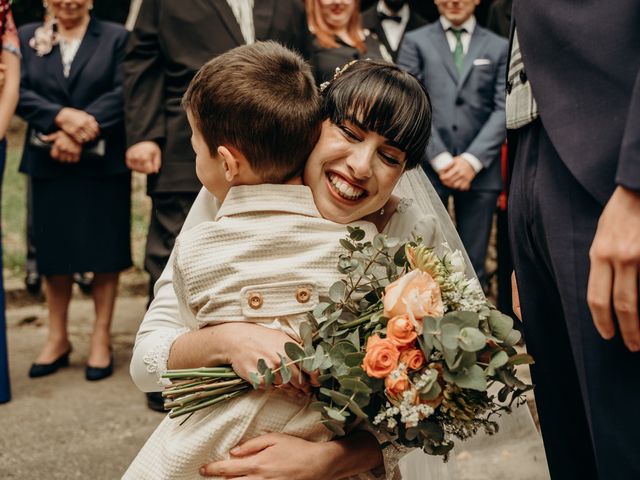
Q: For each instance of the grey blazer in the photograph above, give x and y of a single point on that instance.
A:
(468, 109)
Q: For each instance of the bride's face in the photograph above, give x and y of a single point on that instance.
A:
(352, 171)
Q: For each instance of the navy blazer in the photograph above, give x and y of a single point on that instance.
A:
(588, 92)
(94, 85)
(468, 108)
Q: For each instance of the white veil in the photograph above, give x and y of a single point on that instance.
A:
(515, 427)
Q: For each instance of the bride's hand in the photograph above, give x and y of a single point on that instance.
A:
(248, 343)
(276, 456)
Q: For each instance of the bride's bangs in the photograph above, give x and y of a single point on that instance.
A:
(381, 98)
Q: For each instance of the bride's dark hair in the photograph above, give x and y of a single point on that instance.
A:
(381, 98)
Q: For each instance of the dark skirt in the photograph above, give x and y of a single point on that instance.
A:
(82, 224)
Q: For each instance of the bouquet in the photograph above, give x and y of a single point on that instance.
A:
(406, 342)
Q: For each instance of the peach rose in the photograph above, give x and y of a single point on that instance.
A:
(396, 385)
(412, 358)
(381, 357)
(415, 294)
(401, 332)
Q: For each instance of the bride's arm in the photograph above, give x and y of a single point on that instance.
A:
(162, 322)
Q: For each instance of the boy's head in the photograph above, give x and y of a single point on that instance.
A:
(257, 105)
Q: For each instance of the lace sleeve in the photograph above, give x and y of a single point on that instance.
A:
(156, 359)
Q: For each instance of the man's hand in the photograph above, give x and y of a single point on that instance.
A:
(64, 148)
(144, 157)
(275, 456)
(458, 175)
(78, 124)
(615, 266)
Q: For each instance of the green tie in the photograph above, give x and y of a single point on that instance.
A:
(458, 52)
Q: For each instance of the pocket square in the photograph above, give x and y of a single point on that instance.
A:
(481, 61)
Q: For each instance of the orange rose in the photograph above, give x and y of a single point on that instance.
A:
(415, 294)
(381, 357)
(396, 385)
(412, 358)
(401, 332)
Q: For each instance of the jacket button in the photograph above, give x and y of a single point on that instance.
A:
(255, 300)
(454, 127)
(303, 295)
(459, 101)
(523, 76)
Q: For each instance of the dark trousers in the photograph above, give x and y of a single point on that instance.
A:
(587, 389)
(474, 215)
(168, 212)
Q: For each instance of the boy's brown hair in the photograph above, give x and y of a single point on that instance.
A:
(262, 100)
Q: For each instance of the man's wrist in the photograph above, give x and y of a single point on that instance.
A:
(472, 160)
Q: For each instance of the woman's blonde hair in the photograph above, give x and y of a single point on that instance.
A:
(325, 34)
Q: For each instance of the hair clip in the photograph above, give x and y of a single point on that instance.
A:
(339, 71)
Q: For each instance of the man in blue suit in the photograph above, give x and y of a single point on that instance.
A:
(463, 66)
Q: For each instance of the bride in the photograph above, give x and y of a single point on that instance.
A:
(362, 118)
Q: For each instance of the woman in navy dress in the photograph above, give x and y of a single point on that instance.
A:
(71, 97)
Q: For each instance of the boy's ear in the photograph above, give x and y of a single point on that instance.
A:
(231, 163)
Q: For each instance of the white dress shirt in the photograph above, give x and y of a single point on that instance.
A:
(444, 159)
(394, 30)
(243, 11)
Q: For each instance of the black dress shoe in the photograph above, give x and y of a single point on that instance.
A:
(33, 283)
(84, 281)
(98, 373)
(44, 369)
(155, 401)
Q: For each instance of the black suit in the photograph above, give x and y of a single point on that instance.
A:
(171, 40)
(567, 164)
(371, 21)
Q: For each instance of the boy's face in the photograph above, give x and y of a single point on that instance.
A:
(352, 172)
(209, 168)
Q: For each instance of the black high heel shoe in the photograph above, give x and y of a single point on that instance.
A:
(44, 369)
(94, 374)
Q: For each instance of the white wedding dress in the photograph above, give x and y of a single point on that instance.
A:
(420, 213)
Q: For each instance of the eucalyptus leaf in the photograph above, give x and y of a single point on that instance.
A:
(255, 380)
(450, 333)
(317, 406)
(354, 359)
(354, 338)
(521, 359)
(293, 351)
(337, 291)
(339, 398)
(501, 325)
(262, 366)
(318, 359)
(334, 427)
(472, 378)
(513, 338)
(357, 234)
(346, 244)
(356, 410)
(340, 351)
(471, 339)
(285, 371)
(269, 377)
(320, 309)
(462, 319)
(499, 359)
(335, 414)
(306, 333)
(400, 257)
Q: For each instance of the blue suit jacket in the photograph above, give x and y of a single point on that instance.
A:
(94, 85)
(468, 109)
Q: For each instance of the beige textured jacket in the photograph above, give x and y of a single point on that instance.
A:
(267, 258)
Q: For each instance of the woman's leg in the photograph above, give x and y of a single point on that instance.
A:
(58, 297)
(104, 289)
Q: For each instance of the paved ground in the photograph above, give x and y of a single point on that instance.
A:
(63, 427)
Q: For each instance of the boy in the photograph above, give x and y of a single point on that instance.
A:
(269, 255)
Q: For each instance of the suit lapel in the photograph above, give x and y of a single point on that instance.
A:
(229, 20)
(262, 18)
(442, 46)
(86, 50)
(478, 39)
